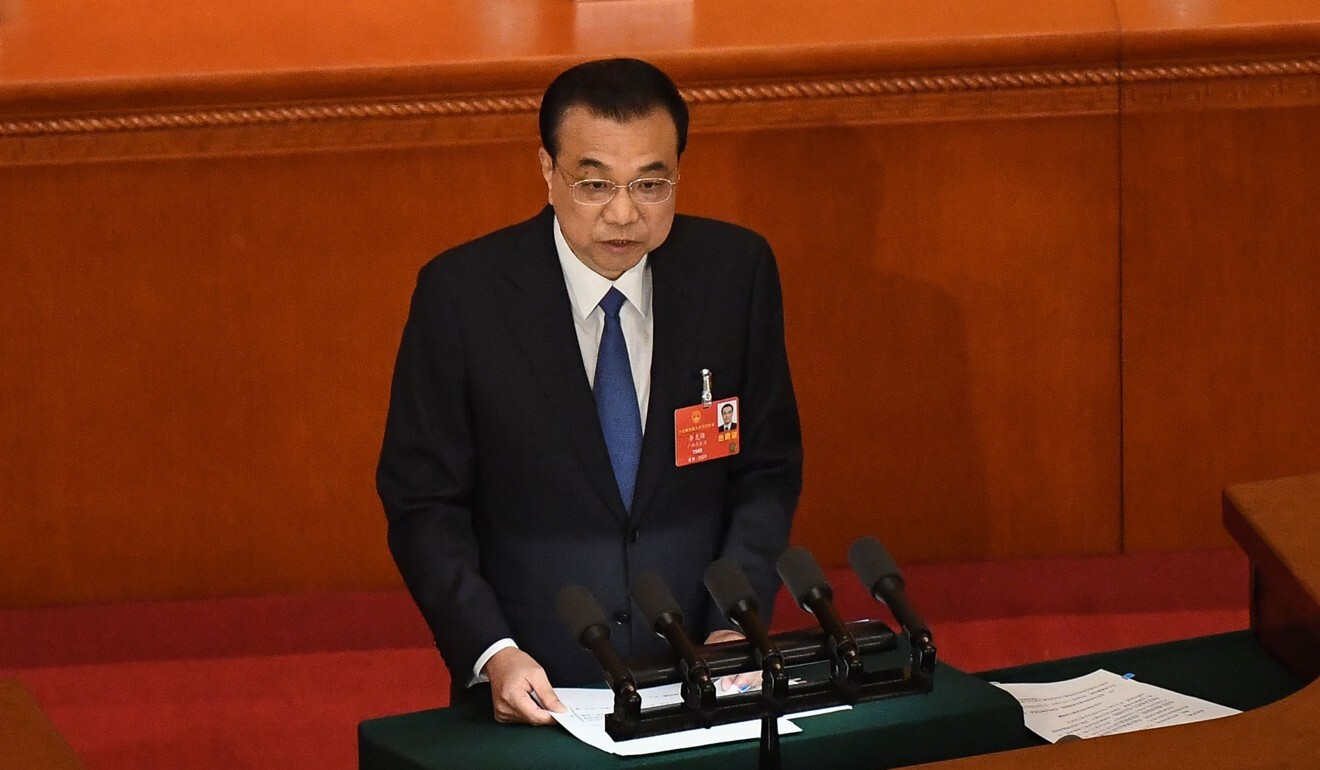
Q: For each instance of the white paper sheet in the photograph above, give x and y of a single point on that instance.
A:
(587, 707)
(1104, 703)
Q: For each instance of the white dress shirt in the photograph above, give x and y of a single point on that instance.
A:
(586, 288)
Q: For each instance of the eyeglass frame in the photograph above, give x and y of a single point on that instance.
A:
(573, 187)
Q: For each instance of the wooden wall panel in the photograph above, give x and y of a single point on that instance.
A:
(952, 302)
(1221, 354)
(207, 346)
(1221, 320)
(208, 243)
(196, 363)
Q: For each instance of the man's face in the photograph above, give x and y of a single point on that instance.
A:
(727, 414)
(612, 238)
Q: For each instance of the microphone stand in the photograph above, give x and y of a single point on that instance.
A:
(769, 757)
(836, 643)
(774, 693)
(796, 648)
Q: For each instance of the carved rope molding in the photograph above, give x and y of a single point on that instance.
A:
(712, 95)
(1222, 70)
(256, 116)
(901, 85)
(759, 92)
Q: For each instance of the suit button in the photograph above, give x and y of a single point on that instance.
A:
(622, 618)
(632, 534)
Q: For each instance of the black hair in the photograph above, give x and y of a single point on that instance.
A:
(618, 89)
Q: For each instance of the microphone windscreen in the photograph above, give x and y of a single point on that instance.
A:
(728, 585)
(801, 573)
(653, 598)
(871, 562)
(578, 609)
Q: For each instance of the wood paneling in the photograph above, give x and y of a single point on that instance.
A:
(211, 227)
(1221, 324)
(225, 77)
(197, 358)
(1221, 353)
(146, 43)
(1262, 516)
(952, 298)
(206, 347)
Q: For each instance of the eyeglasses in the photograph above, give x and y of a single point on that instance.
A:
(646, 191)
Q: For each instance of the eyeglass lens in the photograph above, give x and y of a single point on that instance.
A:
(599, 191)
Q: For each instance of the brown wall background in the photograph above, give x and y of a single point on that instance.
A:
(1221, 324)
(1045, 303)
(952, 320)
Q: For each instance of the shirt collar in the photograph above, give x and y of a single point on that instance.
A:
(586, 287)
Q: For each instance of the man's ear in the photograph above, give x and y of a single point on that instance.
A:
(547, 172)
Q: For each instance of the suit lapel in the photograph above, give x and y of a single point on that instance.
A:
(676, 303)
(545, 330)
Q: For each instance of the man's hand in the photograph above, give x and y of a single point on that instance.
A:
(514, 678)
(740, 681)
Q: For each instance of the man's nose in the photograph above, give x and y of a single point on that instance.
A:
(622, 209)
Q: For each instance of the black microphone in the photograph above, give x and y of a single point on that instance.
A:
(666, 619)
(585, 620)
(879, 573)
(812, 592)
(734, 596)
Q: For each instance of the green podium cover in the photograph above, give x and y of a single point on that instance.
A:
(964, 716)
(1229, 669)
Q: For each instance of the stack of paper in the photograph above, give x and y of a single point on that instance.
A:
(1104, 703)
(587, 708)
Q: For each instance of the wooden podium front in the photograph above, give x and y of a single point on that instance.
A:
(1275, 523)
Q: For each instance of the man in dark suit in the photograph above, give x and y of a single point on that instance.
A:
(531, 437)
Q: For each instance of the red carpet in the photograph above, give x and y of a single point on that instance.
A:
(280, 711)
(281, 682)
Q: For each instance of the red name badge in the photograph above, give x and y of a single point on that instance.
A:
(706, 432)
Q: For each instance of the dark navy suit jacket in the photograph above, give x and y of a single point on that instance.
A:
(494, 473)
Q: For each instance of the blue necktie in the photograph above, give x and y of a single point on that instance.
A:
(616, 399)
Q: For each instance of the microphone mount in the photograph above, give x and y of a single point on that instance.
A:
(840, 645)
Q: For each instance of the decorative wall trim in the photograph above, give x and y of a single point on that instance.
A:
(1226, 85)
(901, 85)
(1251, 69)
(256, 116)
(712, 95)
(738, 106)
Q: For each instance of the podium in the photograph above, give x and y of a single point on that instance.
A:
(1268, 672)
(892, 732)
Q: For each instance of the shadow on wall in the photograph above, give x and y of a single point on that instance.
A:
(879, 352)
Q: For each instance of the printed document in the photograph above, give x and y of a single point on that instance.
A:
(1104, 703)
(587, 707)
